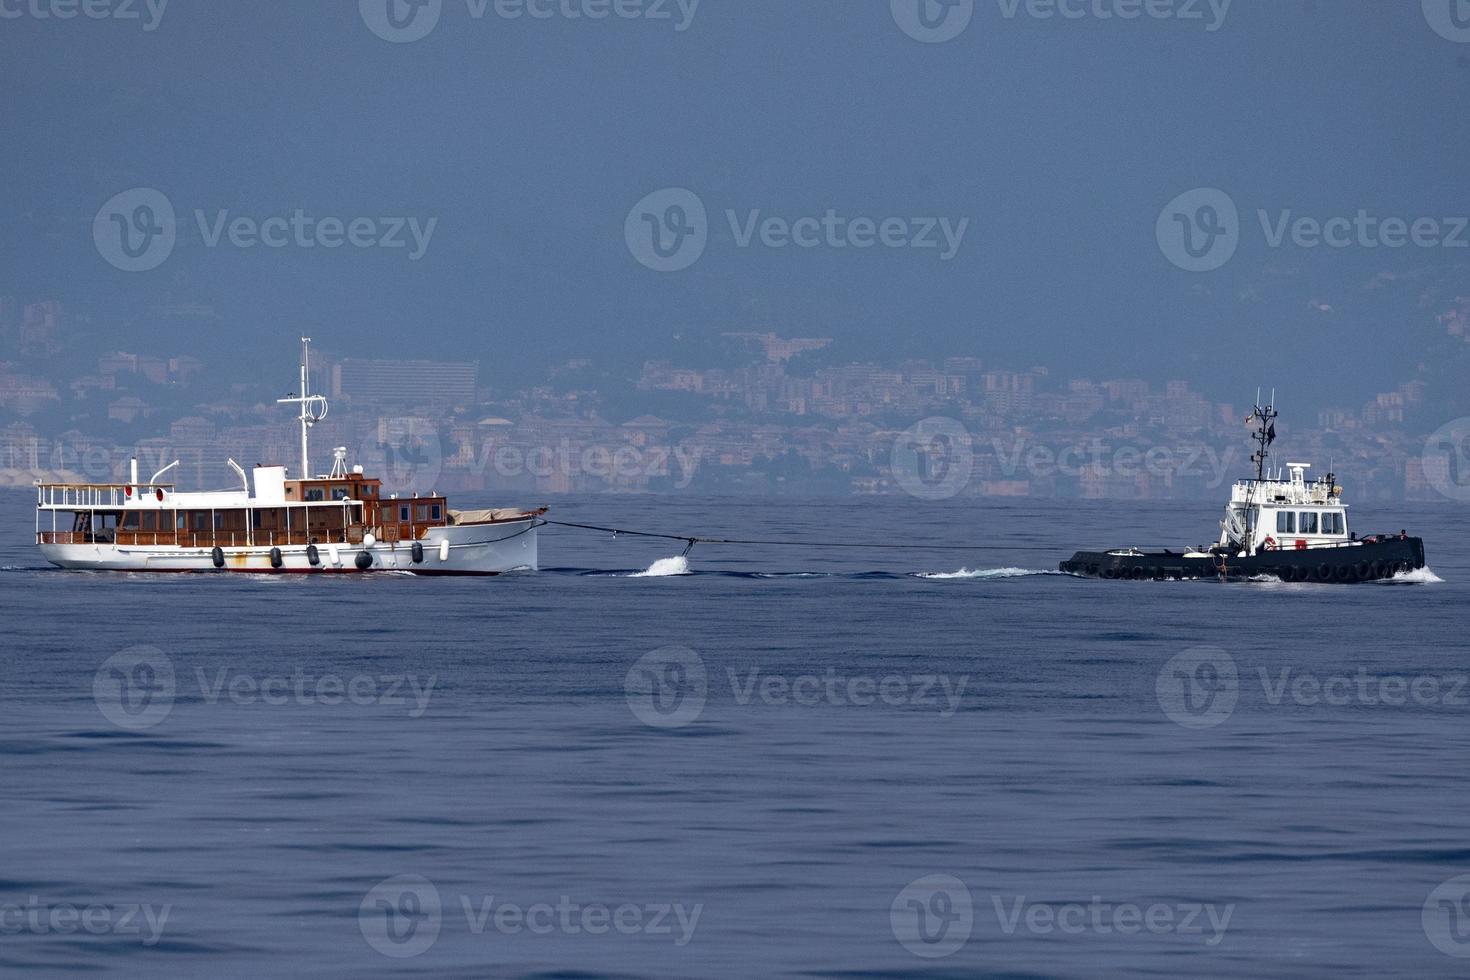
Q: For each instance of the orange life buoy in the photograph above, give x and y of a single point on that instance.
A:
(1270, 543)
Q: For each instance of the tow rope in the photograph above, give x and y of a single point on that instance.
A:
(690, 540)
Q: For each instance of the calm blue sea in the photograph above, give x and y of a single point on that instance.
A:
(788, 762)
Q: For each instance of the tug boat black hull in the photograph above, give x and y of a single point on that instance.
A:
(1368, 560)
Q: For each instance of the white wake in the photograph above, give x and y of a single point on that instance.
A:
(1419, 576)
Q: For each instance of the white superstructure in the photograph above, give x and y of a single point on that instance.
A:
(1287, 512)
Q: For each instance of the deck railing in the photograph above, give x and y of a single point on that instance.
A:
(93, 495)
(350, 535)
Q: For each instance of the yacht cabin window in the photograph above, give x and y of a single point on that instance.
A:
(1309, 522)
(1286, 522)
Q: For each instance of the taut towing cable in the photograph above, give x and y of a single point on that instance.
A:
(691, 540)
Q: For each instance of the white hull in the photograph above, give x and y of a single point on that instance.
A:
(464, 549)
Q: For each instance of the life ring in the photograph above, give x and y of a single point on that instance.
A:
(1269, 543)
(276, 560)
(313, 556)
(217, 556)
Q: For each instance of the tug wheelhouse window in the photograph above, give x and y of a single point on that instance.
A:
(1309, 522)
(1332, 522)
(1286, 522)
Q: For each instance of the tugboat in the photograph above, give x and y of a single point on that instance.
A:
(1275, 527)
(332, 522)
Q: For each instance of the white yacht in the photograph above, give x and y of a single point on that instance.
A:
(338, 521)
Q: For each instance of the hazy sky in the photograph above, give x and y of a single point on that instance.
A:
(1053, 142)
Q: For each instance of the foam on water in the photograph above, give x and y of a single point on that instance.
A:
(1419, 576)
(678, 565)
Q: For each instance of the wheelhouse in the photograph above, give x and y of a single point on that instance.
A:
(1286, 513)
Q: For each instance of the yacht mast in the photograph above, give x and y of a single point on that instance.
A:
(313, 407)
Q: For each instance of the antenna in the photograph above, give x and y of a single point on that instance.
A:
(1264, 435)
(313, 407)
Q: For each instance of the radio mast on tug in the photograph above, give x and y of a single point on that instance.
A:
(313, 407)
(1264, 435)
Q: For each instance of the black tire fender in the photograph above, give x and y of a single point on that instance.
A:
(276, 560)
(313, 557)
(217, 556)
